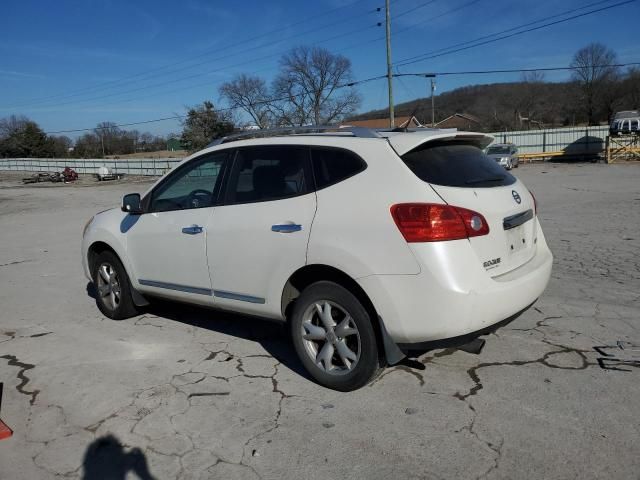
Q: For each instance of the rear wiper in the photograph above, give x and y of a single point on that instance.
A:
(482, 180)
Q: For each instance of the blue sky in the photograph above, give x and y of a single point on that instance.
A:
(71, 64)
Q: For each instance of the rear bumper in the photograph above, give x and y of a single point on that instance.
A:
(453, 295)
(461, 339)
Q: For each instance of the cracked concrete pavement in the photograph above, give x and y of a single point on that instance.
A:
(182, 392)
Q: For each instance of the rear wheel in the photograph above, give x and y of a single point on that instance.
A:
(334, 337)
(113, 289)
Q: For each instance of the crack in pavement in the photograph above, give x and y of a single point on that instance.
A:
(24, 380)
(17, 262)
(473, 371)
(478, 386)
(36, 335)
(412, 371)
(495, 448)
(205, 394)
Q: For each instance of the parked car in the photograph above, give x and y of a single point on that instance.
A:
(369, 244)
(625, 123)
(506, 154)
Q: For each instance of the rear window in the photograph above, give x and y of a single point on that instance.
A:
(456, 165)
(494, 150)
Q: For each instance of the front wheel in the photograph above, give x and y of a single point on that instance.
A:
(334, 337)
(113, 290)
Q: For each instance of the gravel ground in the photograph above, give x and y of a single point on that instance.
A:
(190, 393)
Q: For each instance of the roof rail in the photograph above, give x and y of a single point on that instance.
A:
(360, 132)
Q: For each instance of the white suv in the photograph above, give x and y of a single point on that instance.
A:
(369, 244)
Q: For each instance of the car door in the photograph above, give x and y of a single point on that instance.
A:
(259, 236)
(167, 244)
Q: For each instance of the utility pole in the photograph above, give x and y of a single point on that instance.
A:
(389, 74)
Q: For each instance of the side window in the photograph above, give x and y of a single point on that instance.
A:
(269, 173)
(195, 185)
(332, 165)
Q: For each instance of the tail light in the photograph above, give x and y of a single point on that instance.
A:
(427, 222)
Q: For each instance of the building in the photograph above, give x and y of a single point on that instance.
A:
(461, 121)
(401, 122)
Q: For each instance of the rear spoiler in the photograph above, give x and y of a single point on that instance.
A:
(407, 142)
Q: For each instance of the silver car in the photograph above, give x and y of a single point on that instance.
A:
(506, 154)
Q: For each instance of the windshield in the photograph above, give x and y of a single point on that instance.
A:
(456, 164)
(501, 149)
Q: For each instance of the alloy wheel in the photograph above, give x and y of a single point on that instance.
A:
(109, 286)
(331, 337)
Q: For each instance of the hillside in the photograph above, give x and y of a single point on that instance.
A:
(501, 105)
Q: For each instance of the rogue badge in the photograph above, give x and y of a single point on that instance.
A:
(516, 197)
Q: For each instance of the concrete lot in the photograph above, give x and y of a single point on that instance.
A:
(189, 393)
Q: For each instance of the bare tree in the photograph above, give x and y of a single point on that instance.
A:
(529, 100)
(631, 89)
(313, 86)
(249, 94)
(593, 70)
(108, 133)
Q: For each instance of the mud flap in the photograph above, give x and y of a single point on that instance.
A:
(5, 431)
(138, 299)
(392, 352)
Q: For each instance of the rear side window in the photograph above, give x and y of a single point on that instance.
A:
(269, 173)
(332, 165)
(456, 165)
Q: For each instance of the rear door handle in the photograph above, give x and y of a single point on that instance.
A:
(192, 230)
(286, 227)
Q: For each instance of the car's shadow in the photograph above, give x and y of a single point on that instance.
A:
(273, 336)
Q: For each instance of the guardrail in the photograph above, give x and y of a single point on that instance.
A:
(145, 167)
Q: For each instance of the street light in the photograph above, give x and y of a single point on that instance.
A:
(433, 112)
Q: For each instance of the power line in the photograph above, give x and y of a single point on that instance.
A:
(175, 117)
(208, 72)
(402, 62)
(417, 7)
(202, 84)
(359, 82)
(522, 70)
(146, 73)
(251, 61)
(567, 12)
(427, 56)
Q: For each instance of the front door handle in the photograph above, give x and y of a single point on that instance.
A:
(192, 230)
(286, 227)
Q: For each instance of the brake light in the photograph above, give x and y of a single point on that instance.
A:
(427, 222)
(535, 203)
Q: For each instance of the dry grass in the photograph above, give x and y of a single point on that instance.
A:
(158, 154)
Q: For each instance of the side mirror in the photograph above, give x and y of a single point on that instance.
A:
(131, 203)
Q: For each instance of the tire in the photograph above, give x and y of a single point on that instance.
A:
(112, 287)
(351, 356)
